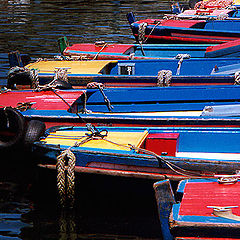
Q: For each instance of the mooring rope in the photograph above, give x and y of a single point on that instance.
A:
(152, 30)
(237, 78)
(164, 78)
(104, 46)
(93, 85)
(181, 57)
(66, 177)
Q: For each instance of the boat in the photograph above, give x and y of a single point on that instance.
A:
(216, 4)
(184, 30)
(218, 9)
(180, 71)
(207, 106)
(143, 152)
(208, 13)
(200, 209)
(106, 51)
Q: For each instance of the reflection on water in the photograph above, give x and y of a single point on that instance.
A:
(33, 27)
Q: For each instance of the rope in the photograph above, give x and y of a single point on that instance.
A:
(141, 32)
(66, 177)
(84, 109)
(181, 57)
(24, 106)
(164, 78)
(34, 79)
(59, 74)
(237, 78)
(141, 36)
(93, 85)
(152, 30)
(104, 45)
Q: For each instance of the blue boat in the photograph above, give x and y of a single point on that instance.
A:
(184, 30)
(180, 71)
(201, 208)
(155, 153)
(173, 106)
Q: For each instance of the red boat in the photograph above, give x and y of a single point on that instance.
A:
(114, 51)
(200, 209)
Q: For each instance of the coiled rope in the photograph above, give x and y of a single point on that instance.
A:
(237, 78)
(164, 78)
(66, 177)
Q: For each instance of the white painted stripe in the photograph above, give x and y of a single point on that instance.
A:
(167, 114)
(205, 155)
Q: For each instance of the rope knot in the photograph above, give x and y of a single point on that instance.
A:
(95, 133)
(93, 85)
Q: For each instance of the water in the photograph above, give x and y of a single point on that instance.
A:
(27, 210)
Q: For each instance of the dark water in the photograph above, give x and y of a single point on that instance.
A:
(121, 209)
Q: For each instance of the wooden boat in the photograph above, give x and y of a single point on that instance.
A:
(132, 72)
(154, 153)
(107, 51)
(208, 13)
(206, 208)
(215, 4)
(173, 106)
(200, 31)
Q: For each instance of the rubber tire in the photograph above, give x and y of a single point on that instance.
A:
(35, 130)
(60, 84)
(21, 78)
(16, 121)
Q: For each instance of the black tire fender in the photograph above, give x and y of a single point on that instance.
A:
(13, 122)
(35, 129)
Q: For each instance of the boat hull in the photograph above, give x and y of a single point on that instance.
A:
(163, 141)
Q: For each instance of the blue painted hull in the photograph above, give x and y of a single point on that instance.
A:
(154, 99)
